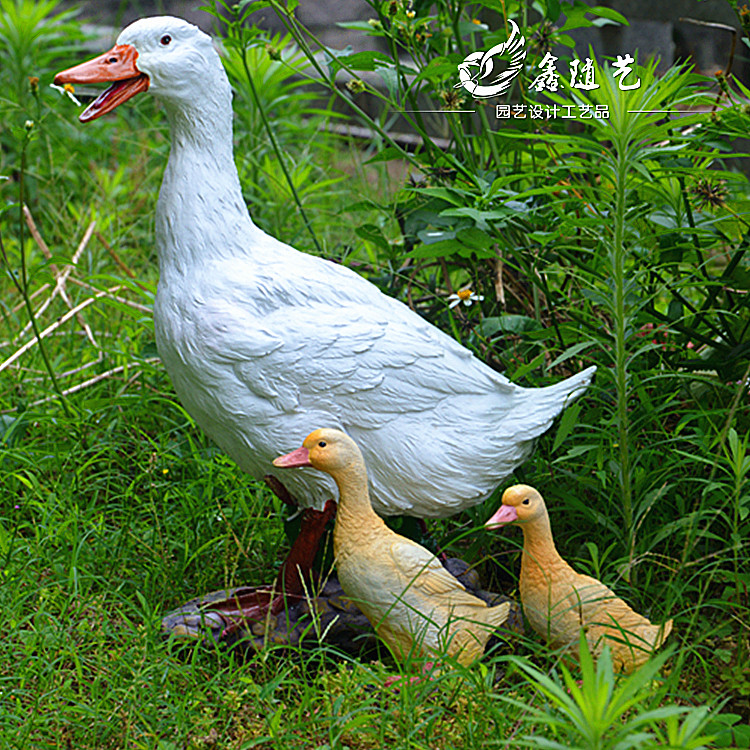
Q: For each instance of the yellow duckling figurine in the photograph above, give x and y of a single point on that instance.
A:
(415, 605)
(558, 602)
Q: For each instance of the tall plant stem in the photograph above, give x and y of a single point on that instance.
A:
(491, 138)
(22, 283)
(620, 315)
(300, 34)
(277, 150)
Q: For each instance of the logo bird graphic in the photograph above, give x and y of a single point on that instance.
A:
(484, 63)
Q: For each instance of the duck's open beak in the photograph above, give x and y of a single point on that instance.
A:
(300, 457)
(117, 65)
(505, 514)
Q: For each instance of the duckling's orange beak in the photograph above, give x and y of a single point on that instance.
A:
(117, 65)
(300, 457)
(505, 514)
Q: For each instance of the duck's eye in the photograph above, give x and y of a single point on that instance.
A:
(526, 501)
(165, 40)
(322, 444)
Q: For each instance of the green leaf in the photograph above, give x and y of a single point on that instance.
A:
(356, 25)
(553, 10)
(439, 249)
(437, 69)
(389, 76)
(610, 14)
(367, 60)
(12, 429)
(374, 234)
(481, 217)
(508, 324)
(577, 16)
(386, 154)
(522, 371)
(567, 423)
(675, 310)
(465, 28)
(477, 241)
(571, 351)
(330, 57)
(431, 236)
(456, 197)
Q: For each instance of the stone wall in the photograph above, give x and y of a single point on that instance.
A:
(657, 27)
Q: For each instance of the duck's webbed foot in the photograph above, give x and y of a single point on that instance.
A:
(249, 608)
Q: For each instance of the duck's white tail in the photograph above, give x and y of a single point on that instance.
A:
(542, 405)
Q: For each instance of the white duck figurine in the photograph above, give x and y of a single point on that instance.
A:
(261, 340)
(415, 605)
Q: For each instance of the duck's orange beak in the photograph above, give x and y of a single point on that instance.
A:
(300, 457)
(117, 65)
(505, 514)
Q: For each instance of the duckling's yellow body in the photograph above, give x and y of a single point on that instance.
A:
(415, 605)
(558, 602)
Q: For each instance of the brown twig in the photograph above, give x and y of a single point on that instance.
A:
(91, 381)
(67, 373)
(120, 263)
(730, 60)
(110, 294)
(49, 329)
(499, 287)
(60, 276)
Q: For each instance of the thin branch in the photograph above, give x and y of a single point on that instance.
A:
(60, 276)
(90, 382)
(120, 263)
(47, 331)
(110, 294)
(18, 307)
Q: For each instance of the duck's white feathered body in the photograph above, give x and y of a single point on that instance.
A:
(263, 342)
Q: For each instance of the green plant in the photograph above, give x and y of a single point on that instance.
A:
(620, 242)
(280, 122)
(33, 36)
(600, 712)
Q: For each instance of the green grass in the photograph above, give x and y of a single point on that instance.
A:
(116, 509)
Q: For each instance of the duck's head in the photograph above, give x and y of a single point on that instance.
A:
(327, 450)
(167, 56)
(521, 504)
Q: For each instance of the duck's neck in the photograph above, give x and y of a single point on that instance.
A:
(539, 551)
(203, 131)
(354, 516)
(201, 212)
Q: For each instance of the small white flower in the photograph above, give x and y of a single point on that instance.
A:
(465, 295)
(67, 89)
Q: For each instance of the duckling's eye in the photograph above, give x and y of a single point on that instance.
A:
(165, 40)
(526, 501)
(322, 444)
